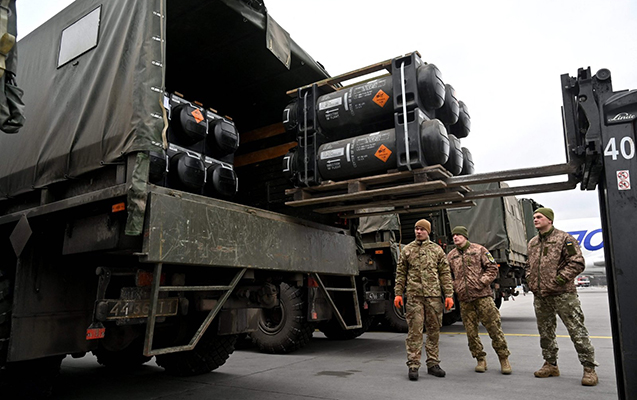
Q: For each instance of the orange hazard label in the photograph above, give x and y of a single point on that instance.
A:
(381, 98)
(383, 153)
(197, 114)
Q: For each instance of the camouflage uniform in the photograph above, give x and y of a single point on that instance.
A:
(473, 270)
(423, 268)
(556, 256)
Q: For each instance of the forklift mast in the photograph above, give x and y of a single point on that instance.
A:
(600, 126)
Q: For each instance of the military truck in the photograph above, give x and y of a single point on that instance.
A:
(499, 225)
(125, 229)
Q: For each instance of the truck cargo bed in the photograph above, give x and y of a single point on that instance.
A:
(189, 229)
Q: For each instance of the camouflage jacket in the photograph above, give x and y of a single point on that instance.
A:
(424, 269)
(551, 254)
(473, 271)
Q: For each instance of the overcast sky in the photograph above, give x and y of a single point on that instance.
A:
(504, 58)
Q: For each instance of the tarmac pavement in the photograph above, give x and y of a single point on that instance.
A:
(372, 367)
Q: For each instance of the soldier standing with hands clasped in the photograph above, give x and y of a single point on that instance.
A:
(422, 269)
(555, 259)
(473, 270)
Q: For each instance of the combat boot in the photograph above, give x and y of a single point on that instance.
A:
(505, 366)
(436, 371)
(547, 370)
(590, 377)
(482, 365)
(413, 374)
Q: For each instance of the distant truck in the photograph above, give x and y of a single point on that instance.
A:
(498, 224)
(124, 228)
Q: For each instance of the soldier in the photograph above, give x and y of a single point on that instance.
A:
(555, 259)
(423, 268)
(474, 269)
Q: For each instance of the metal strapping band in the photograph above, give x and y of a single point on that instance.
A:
(402, 84)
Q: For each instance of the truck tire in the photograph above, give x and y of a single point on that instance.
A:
(127, 358)
(332, 329)
(394, 318)
(285, 328)
(211, 352)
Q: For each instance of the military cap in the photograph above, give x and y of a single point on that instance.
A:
(547, 212)
(460, 230)
(423, 223)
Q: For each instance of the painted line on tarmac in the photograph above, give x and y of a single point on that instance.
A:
(523, 335)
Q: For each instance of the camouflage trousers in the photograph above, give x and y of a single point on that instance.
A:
(483, 310)
(567, 306)
(423, 311)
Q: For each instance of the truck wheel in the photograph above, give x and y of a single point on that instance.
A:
(284, 329)
(395, 317)
(211, 352)
(129, 357)
(332, 329)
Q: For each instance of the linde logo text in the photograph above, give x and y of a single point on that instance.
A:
(624, 116)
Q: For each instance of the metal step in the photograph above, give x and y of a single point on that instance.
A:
(339, 316)
(154, 296)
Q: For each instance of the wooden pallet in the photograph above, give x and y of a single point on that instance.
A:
(419, 190)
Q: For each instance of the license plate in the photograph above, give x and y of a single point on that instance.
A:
(119, 309)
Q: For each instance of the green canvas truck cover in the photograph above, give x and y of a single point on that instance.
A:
(496, 223)
(94, 76)
(528, 208)
(92, 109)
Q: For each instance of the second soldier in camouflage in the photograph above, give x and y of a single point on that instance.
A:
(473, 270)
